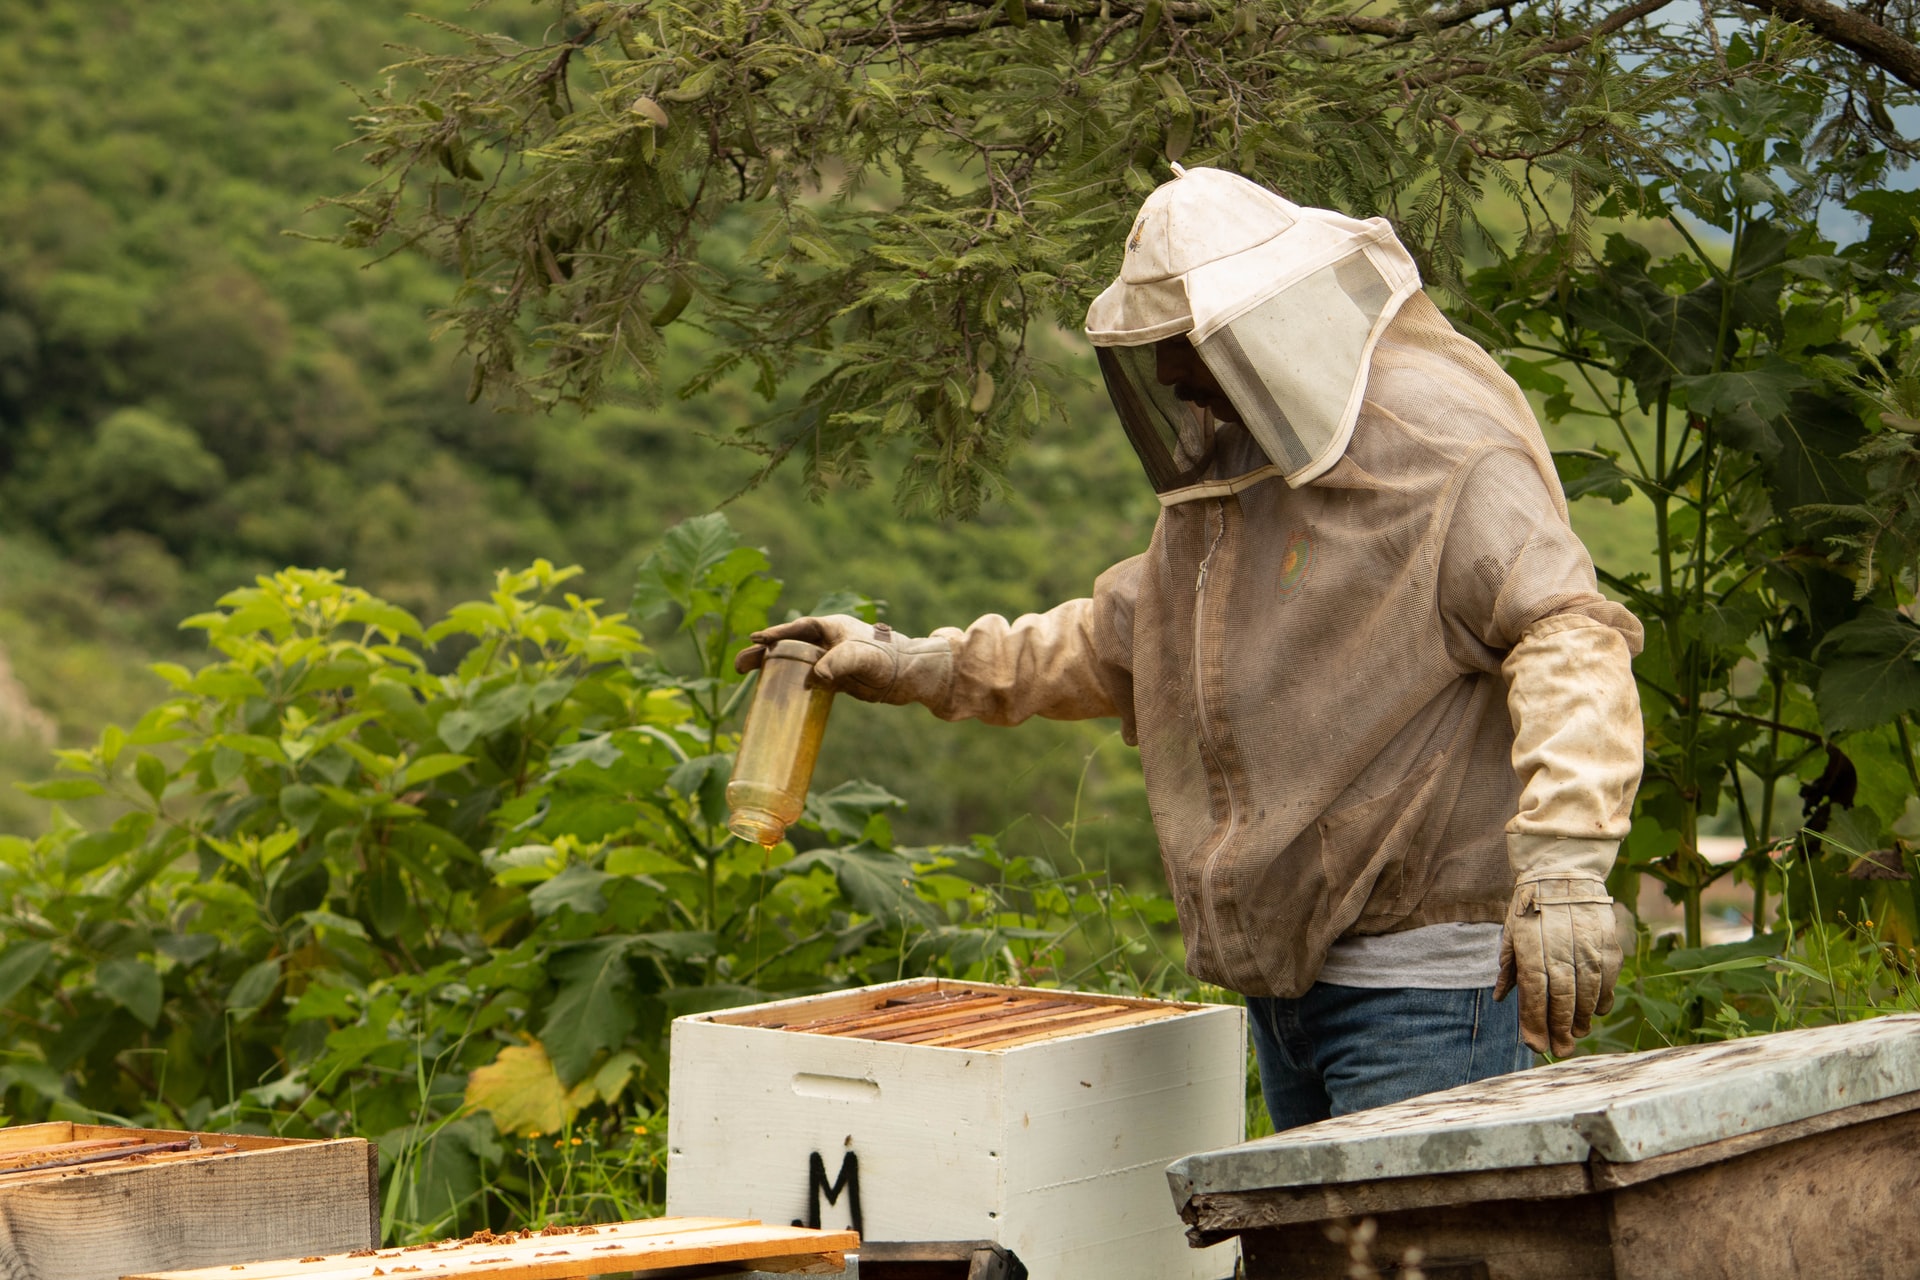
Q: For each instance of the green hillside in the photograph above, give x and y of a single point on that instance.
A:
(190, 396)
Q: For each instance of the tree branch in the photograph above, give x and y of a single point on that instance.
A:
(1632, 13)
(1849, 29)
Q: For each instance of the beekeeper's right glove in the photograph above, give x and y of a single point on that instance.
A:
(870, 661)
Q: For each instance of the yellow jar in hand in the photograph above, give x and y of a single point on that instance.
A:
(779, 745)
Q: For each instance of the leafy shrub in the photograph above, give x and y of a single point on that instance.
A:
(436, 885)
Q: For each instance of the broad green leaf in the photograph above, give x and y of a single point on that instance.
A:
(1746, 403)
(302, 805)
(1588, 471)
(172, 672)
(600, 751)
(611, 1080)
(685, 555)
(322, 920)
(489, 715)
(20, 964)
(253, 744)
(639, 860)
(845, 810)
(1869, 671)
(577, 887)
(91, 852)
(703, 780)
(392, 619)
(151, 774)
(879, 884)
(225, 681)
(133, 985)
(592, 1011)
(252, 988)
(524, 864)
(62, 789)
(429, 767)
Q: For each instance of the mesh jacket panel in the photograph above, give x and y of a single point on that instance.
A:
(1315, 673)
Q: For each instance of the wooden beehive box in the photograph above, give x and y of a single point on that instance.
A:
(930, 1110)
(94, 1202)
(1788, 1155)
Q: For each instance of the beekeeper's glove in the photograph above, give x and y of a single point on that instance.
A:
(1560, 949)
(871, 662)
(1577, 750)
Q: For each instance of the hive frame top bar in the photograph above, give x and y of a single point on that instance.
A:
(1619, 1107)
(59, 1150)
(561, 1253)
(943, 1014)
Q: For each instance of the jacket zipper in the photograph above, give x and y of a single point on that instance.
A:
(1209, 750)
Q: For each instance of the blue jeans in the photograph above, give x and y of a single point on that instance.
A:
(1341, 1049)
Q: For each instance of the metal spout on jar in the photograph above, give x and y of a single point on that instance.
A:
(779, 745)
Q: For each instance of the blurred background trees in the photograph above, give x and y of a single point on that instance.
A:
(190, 396)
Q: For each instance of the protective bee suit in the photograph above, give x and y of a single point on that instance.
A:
(1373, 683)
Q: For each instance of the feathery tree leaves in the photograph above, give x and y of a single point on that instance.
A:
(886, 197)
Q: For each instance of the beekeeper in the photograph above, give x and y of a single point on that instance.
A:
(1388, 723)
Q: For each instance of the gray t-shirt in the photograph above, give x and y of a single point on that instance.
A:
(1445, 957)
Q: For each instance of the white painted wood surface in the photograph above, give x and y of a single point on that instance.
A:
(1623, 1107)
(1055, 1149)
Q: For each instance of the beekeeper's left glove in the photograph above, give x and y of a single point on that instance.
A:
(1560, 949)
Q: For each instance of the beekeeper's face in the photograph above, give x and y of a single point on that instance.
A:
(1179, 366)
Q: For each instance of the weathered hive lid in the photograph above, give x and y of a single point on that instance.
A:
(1621, 1107)
(955, 1015)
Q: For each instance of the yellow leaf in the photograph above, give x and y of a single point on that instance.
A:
(521, 1090)
(651, 111)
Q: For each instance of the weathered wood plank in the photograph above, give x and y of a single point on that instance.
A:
(562, 1253)
(777, 1013)
(103, 1221)
(1215, 1216)
(23, 1136)
(1833, 1204)
(1511, 1240)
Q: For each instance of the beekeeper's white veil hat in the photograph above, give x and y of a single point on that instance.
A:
(1284, 303)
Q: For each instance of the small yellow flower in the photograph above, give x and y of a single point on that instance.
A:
(640, 1129)
(576, 1142)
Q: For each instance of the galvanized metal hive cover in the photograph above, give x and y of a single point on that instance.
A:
(1622, 1107)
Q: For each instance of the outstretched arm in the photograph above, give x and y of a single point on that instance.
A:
(1072, 662)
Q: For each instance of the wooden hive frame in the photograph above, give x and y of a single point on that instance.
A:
(560, 1253)
(944, 1014)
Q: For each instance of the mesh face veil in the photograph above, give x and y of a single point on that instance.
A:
(1174, 438)
(1284, 305)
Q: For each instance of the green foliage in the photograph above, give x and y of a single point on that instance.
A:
(1780, 649)
(1854, 959)
(444, 885)
(152, 160)
(889, 200)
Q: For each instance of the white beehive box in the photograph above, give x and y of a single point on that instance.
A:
(1042, 1120)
